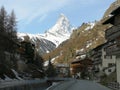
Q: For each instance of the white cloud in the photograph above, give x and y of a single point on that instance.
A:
(28, 10)
(42, 17)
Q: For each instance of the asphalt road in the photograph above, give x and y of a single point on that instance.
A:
(78, 85)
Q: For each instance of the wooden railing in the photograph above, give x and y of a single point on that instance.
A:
(114, 85)
(112, 51)
(112, 32)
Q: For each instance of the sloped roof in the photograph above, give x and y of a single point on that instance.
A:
(116, 11)
(109, 20)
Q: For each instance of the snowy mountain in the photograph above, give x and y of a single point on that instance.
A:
(60, 32)
(86, 37)
(48, 41)
(42, 45)
(83, 39)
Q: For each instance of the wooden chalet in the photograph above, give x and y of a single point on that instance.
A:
(62, 70)
(79, 65)
(96, 54)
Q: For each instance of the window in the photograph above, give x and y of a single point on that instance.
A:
(109, 70)
(110, 64)
(105, 56)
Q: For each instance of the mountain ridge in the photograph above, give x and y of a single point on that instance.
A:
(48, 41)
(60, 32)
(83, 39)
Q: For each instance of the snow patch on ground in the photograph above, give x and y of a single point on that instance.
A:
(16, 74)
(7, 78)
(88, 45)
(53, 84)
(83, 56)
(90, 26)
(52, 61)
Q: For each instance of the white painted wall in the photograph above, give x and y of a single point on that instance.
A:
(112, 69)
(107, 60)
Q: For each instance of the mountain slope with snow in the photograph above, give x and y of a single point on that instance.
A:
(60, 32)
(48, 41)
(42, 45)
(83, 39)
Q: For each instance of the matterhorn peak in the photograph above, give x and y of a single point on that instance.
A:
(60, 31)
(62, 26)
(53, 37)
(62, 17)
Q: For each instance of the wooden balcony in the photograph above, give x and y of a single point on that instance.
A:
(97, 61)
(93, 53)
(96, 54)
(112, 33)
(114, 50)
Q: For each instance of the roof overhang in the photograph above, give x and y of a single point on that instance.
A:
(116, 11)
(109, 20)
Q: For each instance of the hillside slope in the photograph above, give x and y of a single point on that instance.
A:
(83, 39)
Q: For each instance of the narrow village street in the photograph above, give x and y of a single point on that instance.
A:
(59, 45)
(78, 85)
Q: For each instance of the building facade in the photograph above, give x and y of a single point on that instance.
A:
(113, 37)
(102, 63)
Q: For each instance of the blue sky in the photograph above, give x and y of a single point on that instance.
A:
(37, 16)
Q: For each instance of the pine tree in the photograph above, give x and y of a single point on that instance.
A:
(3, 24)
(39, 61)
(12, 26)
(29, 51)
(7, 40)
(50, 72)
(7, 31)
(3, 40)
(3, 19)
(12, 34)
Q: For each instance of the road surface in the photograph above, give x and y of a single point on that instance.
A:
(78, 85)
